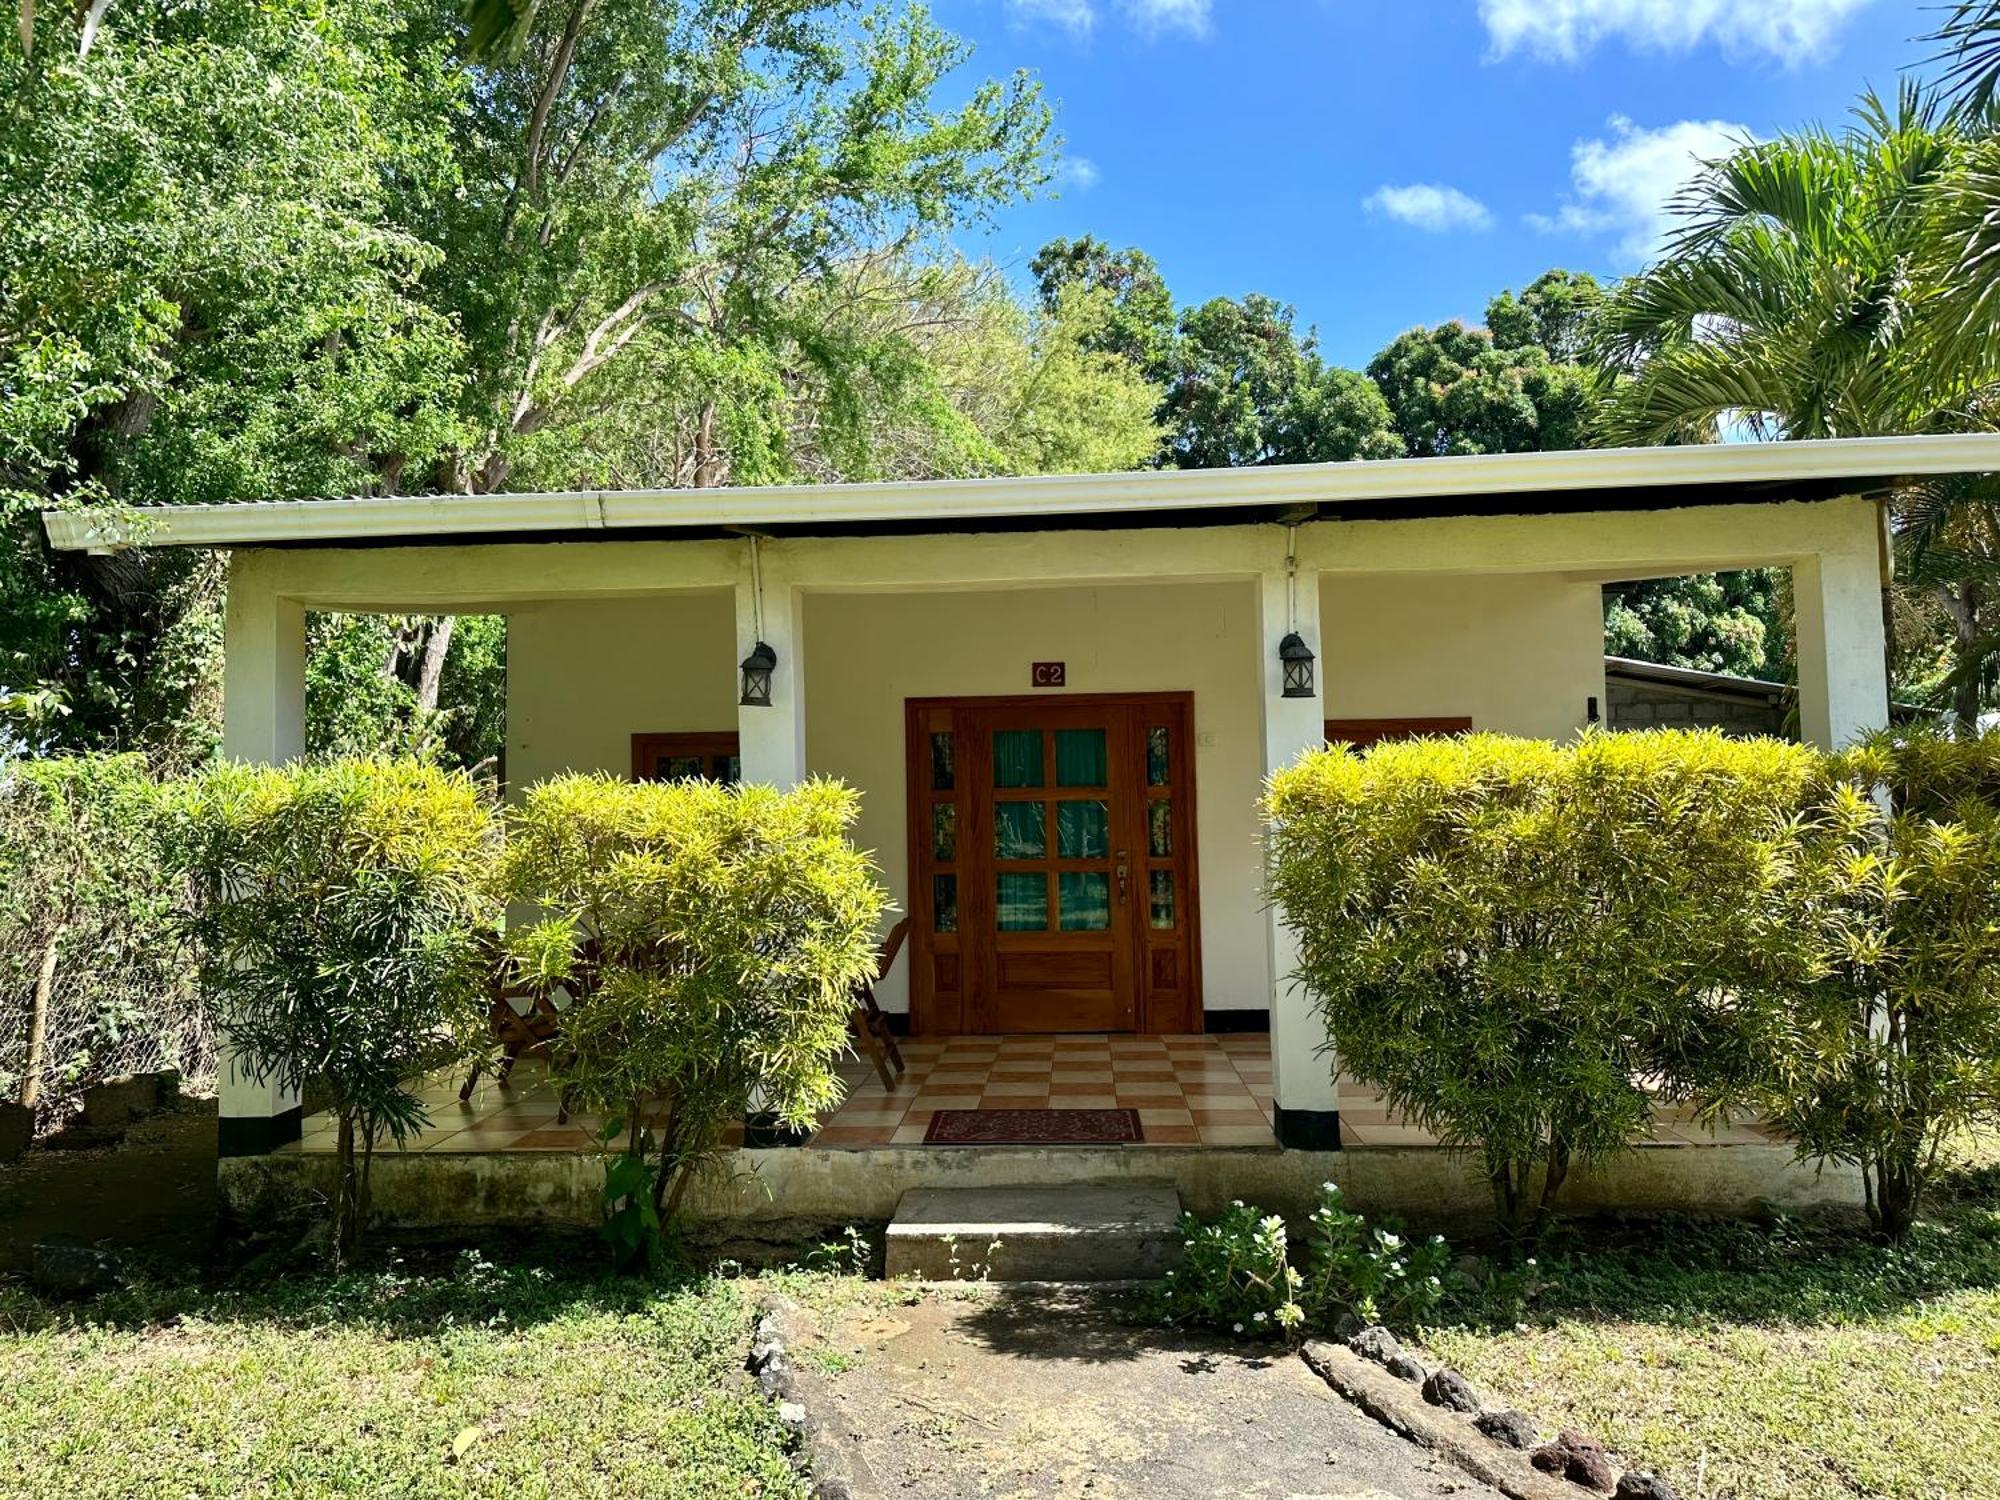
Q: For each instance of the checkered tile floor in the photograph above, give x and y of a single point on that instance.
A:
(1189, 1090)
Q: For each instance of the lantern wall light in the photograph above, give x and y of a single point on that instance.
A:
(1297, 660)
(757, 669)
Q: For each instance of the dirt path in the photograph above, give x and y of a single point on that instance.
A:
(1022, 1392)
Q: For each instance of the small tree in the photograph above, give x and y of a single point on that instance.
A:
(1889, 1043)
(712, 936)
(341, 916)
(1510, 939)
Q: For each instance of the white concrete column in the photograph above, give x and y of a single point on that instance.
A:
(770, 607)
(1843, 670)
(1308, 1105)
(263, 722)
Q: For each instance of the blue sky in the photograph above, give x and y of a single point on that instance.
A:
(1381, 163)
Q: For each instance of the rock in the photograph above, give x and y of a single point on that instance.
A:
(1376, 1343)
(117, 1102)
(1579, 1459)
(1451, 1390)
(1642, 1486)
(833, 1489)
(1406, 1366)
(1509, 1428)
(1347, 1327)
(17, 1131)
(65, 1264)
(792, 1416)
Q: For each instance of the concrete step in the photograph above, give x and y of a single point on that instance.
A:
(1118, 1232)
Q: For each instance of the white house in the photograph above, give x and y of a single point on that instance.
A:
(1060, 696)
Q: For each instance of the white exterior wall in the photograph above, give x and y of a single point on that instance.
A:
(1519, 653)
(585, 675)
(872, 651)
(1516, 652)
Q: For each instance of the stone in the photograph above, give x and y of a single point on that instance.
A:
(117, 1102)
(1579, 1459)
(1375, 1343)
(1451, 1390)
(1508, 1428)
(64, 1264)
(1641, 1486)
(1406, 1366)
(1347, 1326)
(17, 1131)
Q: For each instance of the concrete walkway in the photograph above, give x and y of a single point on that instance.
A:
(1034, 1391)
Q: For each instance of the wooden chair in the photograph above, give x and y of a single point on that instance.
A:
(869, 1025)
(523, 1019)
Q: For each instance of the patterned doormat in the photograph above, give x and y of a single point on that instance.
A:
(1034, 1127)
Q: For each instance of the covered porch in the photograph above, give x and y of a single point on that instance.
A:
(1108, 667)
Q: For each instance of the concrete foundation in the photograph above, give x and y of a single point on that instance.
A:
(1431, 1188)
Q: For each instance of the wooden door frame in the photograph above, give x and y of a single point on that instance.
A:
(917, 799)
(707, 744)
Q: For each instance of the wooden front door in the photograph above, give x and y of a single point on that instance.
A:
(1053, 861)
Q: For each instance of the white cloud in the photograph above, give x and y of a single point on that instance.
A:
(1155, 17)
(1625, 184)
(1077, 17)
(1151, 17)
(1792, 31)
(1079, 172)
(1428, 205)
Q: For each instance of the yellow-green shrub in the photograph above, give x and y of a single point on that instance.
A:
(1889, 1043)
(341, 909)
(1506, 936)
(713, 936)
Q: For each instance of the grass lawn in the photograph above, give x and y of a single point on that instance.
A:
(465, 1379)
(1789, 1362)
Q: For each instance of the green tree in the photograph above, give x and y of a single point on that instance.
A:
(1450, 389)
(1247, 389)
(1555, 313)
(1712, 622)
(1140, 322)
(1795, 300)
(201, 300)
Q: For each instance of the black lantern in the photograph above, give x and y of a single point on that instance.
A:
(1297, 658)
(757, 669)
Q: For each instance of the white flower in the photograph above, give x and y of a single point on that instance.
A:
(1235, 1202)
(1259, 1318)
(1239, 1327)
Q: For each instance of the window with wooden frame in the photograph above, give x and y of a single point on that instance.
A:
(679, 757)
(1361, 733)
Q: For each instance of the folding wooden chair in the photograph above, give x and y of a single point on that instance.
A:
(869, 1025)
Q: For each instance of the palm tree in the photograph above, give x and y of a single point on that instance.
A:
(1811, 292)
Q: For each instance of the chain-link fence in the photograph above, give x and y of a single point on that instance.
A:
(95, 980)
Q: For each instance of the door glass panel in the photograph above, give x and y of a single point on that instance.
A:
(678, 767)
(1080, 758)
(944, 831)
(1084, 901)
(732, 770)
(1017, 757)
(1156, 756)
(1160, 889)
(1083, 830)
(1023, 904)
(944, 773)
(1160, 829)
(1019, 831)
(944, 903)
